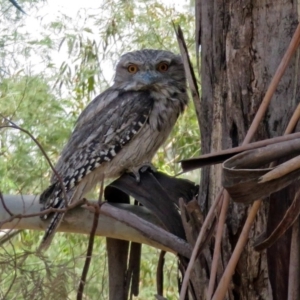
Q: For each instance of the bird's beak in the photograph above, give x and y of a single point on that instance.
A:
(148, 77)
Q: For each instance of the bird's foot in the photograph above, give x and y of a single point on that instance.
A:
(141, 168)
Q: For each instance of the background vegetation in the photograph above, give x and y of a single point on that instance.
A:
(52, 63)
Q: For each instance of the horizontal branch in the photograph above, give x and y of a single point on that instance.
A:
(116, 221)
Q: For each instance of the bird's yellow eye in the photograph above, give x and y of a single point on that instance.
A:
(132, 69)
(162, 67)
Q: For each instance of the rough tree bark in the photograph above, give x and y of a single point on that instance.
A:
(242, 44)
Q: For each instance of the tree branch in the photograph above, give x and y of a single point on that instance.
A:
(115, 221)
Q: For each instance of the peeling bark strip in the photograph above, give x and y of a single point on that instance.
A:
(220, 156)
(242, 45)
(247, 176)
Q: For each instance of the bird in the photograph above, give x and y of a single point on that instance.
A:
(120, 130)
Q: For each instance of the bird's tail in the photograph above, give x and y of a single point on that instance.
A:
(50, 231)
(53, 198)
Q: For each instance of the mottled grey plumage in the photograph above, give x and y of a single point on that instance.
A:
(121, 129)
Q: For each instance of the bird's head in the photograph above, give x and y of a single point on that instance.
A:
(149, 70)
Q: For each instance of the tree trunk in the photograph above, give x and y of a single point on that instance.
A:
(242, 44)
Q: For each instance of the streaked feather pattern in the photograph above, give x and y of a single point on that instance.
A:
(120, 130)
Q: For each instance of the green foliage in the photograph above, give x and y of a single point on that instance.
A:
(47, 77)
(28, 102)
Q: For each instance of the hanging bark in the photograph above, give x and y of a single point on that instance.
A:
(242, 44)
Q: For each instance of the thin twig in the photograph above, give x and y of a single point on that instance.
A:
(4, 205)
(46, 211)
(226, 278)
(15, 126)
(100, 198)
(88, 255)
(204, 228)
(91, 244)
(15, 272)
(293, 289)
(274, 83)
(294, 120)
(217, 249)
(283, 169)
(8, 236)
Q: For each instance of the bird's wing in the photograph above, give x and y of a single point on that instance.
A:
(106, 125)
